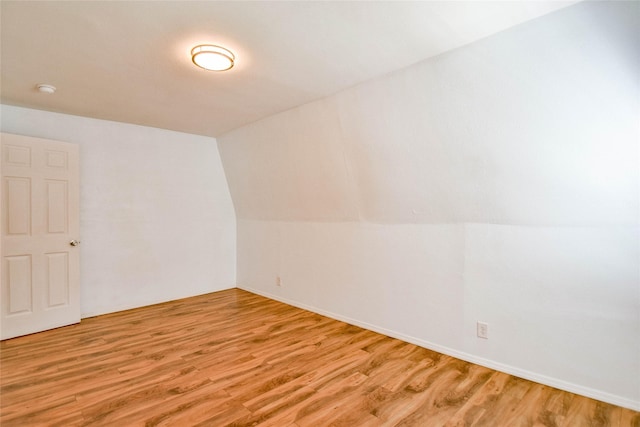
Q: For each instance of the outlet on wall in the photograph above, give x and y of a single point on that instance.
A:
(482, 329)
(278, 281)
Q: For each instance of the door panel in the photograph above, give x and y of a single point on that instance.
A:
(58, 279)
(56, 159)
(18, 270)
(57, 206)
(40, 216)
(16, 155)
(18, 205)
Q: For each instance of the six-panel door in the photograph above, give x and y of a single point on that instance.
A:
(40, 217)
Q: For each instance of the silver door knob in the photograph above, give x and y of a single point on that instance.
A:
(74, 242)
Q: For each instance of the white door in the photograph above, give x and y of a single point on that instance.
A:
(40, 233)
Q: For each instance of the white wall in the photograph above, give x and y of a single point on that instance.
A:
(498, 182)
(156, 218)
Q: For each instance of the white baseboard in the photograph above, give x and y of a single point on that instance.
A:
(521, 373)
(129, 306)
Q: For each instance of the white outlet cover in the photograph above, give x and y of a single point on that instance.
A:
(483, 330)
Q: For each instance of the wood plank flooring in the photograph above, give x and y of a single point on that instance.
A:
(238, 359)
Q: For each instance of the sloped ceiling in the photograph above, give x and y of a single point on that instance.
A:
(129, 61)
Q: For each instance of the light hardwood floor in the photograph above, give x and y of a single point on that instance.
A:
(234, 358)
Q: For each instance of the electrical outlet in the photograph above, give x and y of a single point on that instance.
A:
(278, 281)
(483, 330)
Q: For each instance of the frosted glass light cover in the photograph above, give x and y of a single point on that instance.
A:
(211, 57)
(45, 88)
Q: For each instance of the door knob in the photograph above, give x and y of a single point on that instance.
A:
(74, 242)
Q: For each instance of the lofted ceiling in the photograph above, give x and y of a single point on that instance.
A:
(129, 61)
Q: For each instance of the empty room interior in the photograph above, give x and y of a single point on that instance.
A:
(316, 213)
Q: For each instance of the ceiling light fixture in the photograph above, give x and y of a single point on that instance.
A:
(43, 88)
(212, 57)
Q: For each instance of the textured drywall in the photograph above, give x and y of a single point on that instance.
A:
(498, 182)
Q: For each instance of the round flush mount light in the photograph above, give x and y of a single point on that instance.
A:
(44, 88)
(212, 57)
